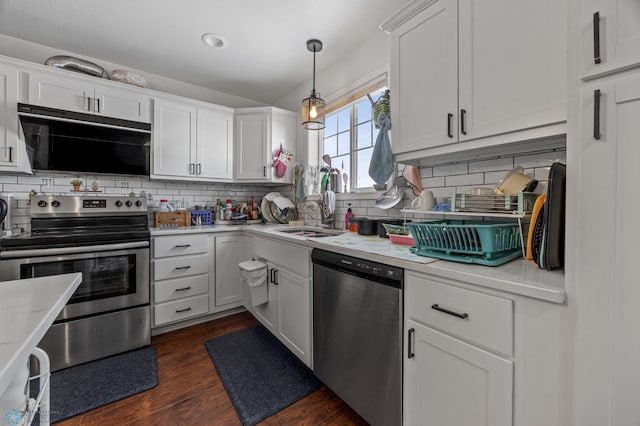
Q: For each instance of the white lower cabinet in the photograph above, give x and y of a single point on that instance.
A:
(288, 312)
(230, 251)
(450, 382)
(448, 379)
(181, 277)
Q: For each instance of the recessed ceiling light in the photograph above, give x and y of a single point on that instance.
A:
(214, 40)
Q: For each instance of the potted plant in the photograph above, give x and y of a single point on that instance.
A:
(76, 182)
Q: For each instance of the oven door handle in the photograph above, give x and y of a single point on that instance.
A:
(12, 254)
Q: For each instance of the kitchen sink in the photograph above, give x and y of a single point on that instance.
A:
(311, 232)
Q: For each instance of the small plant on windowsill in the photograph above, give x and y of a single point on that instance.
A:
(76, 182)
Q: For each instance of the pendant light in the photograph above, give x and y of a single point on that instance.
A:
(313, 106)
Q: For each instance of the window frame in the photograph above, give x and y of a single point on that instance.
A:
(351, 102)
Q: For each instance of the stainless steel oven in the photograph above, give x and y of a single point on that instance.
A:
(109, 313)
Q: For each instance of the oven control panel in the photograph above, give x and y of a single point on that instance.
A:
(78, 205)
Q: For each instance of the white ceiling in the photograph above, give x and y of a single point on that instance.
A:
(266, 54)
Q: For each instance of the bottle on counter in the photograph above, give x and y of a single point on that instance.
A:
(228, 210)
(347, 218)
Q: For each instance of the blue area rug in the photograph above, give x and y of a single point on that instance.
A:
(260, 374)
(81, 388)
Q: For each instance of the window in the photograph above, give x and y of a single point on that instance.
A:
(349, 137)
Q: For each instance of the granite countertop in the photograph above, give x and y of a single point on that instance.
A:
(519, 276)
(27, 309)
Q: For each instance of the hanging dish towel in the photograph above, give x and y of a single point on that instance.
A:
(381, 166)
(301, 191)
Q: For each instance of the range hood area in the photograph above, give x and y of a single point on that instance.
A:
(59, 140)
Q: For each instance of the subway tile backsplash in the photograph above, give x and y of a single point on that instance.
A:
(441, 179)
(460, 177)
(188, 194)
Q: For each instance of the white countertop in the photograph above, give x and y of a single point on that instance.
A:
(27, 310)
(519, 276)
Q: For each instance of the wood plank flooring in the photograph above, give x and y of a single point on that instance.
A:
(190, 392)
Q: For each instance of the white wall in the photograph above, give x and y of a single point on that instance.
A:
(38, 53)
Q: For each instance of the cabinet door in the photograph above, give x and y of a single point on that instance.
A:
(9, 155)
(449, 382)
(284, 125)
(267, 313)
(617, 46)
(424, 79)
(294, 313)
(512, 66)
(230, 251)
(62, 93)
(252, 147)
(122, 103)
(214, 147)
(174, 127)
(607, 371)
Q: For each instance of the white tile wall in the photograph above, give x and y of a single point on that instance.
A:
(188, 193)
(441, 179)
(461, 177)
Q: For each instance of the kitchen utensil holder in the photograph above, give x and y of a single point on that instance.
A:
(485, 243)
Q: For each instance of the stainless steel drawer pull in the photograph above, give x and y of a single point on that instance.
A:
(596, 38)
(183, 288)
(463, 123)
(192, 168)
(182, 245)
(447, 311)
(199, 169)
(178, 311)
(182, 267)
(410, 334)
(596, 114)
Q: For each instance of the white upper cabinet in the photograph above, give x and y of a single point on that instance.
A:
(259, 132)
(79, 94)
(610, 34)
(12, 152)
(463, 70)
(192, 141)
(424, 79)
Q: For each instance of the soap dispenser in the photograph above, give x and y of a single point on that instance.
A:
(347, 218)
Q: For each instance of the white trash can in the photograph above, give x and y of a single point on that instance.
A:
(254, 277)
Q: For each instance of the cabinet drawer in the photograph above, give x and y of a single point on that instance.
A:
(181, 309)
(292, 257)
(176, 245)
(179, 288)
(182, 266)
(487, 321)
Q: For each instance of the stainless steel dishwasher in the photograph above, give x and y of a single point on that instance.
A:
(357, 333)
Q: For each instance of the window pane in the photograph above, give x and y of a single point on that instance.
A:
(344, 143)
(344, 119)
(363, 110)
(331, 124)
(331, 146)
(364, 135)
(363, 178)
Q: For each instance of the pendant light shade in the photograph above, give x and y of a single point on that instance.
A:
(313, 106)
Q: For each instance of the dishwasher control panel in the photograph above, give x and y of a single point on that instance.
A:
(357, 266)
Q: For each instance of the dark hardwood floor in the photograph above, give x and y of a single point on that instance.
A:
(190, 392)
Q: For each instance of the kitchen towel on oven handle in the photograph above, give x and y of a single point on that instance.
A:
(552, 250)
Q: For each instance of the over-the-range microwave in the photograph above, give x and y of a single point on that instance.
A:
(71, 141)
